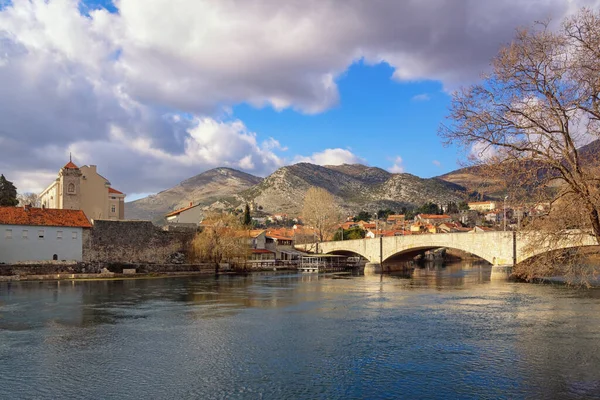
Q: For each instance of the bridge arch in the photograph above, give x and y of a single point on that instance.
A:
(493, 247)
(525, 255)
(425, 248)
(348, 253)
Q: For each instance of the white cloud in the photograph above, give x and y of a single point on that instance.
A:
(481, 151)
(436, 163)
(421, 97)
(147, 93)
(331, 157)
(397, 168)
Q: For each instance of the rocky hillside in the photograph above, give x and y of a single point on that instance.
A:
(205, 188)
(473, 180)
(355, 187)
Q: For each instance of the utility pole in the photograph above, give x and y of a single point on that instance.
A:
(505, 197)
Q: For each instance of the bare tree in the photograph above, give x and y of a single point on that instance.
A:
(28, 199)
(222, 239)
(526, 121)
(320, 212)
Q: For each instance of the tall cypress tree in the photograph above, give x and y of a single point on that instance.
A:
(8, 193)
(247, 218)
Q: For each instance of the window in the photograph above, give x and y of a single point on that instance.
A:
(113, 208)
(59, 235)
(41, 234)
(8, 234)
(74, 235)
(71, 188)
(25, 234)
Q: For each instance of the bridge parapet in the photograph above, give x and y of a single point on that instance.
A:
(499, 248)
(495, 247)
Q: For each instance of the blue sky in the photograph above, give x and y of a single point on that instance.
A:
(156, 92)
(377, 118)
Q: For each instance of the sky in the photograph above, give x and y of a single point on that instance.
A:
(154, 92)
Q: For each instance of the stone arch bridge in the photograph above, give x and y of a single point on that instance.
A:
(502, 249)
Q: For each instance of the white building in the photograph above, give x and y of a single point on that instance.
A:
(482, 205)
(187, 215)
(35, 234)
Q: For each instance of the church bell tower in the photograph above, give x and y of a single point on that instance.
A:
(70, 186)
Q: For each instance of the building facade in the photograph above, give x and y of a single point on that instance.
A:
(188, 215)
(482, 205)
(34, 234)
(84, 189)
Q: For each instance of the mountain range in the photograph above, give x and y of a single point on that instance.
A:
(354, 187)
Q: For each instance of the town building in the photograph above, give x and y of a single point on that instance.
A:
(433, 218)
(84, 189)
(30, 234)
(482, 205)
(395, 219)
(190, 215)
(282, 246)
(494, 216)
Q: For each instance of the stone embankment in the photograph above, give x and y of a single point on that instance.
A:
(61, 271)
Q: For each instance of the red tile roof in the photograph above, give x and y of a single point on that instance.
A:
(434, 216)
(70, 165)
(279, 237)
(43, 217)
(115, 191)
(176, 212)
(261, 251)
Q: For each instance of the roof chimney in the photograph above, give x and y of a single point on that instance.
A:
(191, 203)
(26, 207)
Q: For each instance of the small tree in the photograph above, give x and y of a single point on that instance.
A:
(463, 206)
(428, 208)
(320, 212)
(362, 216)
(222, 239)
(8, 193)
(350, 234)
(384, 214)
(28, 199)
(247, 217)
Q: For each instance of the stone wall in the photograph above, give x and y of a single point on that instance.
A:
(134, 242)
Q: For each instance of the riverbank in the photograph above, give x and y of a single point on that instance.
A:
(91, 271)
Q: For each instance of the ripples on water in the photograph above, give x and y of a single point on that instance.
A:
(439, 333)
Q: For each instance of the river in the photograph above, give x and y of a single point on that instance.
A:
(442, 332)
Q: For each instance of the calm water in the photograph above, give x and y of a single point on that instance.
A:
(442, 333)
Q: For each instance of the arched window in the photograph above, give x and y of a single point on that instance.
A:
(55, 257)
(71, 188)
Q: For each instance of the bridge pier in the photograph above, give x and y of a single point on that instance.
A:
(372, 268)
(501, 272)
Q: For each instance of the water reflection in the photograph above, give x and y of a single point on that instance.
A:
(438, 332)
